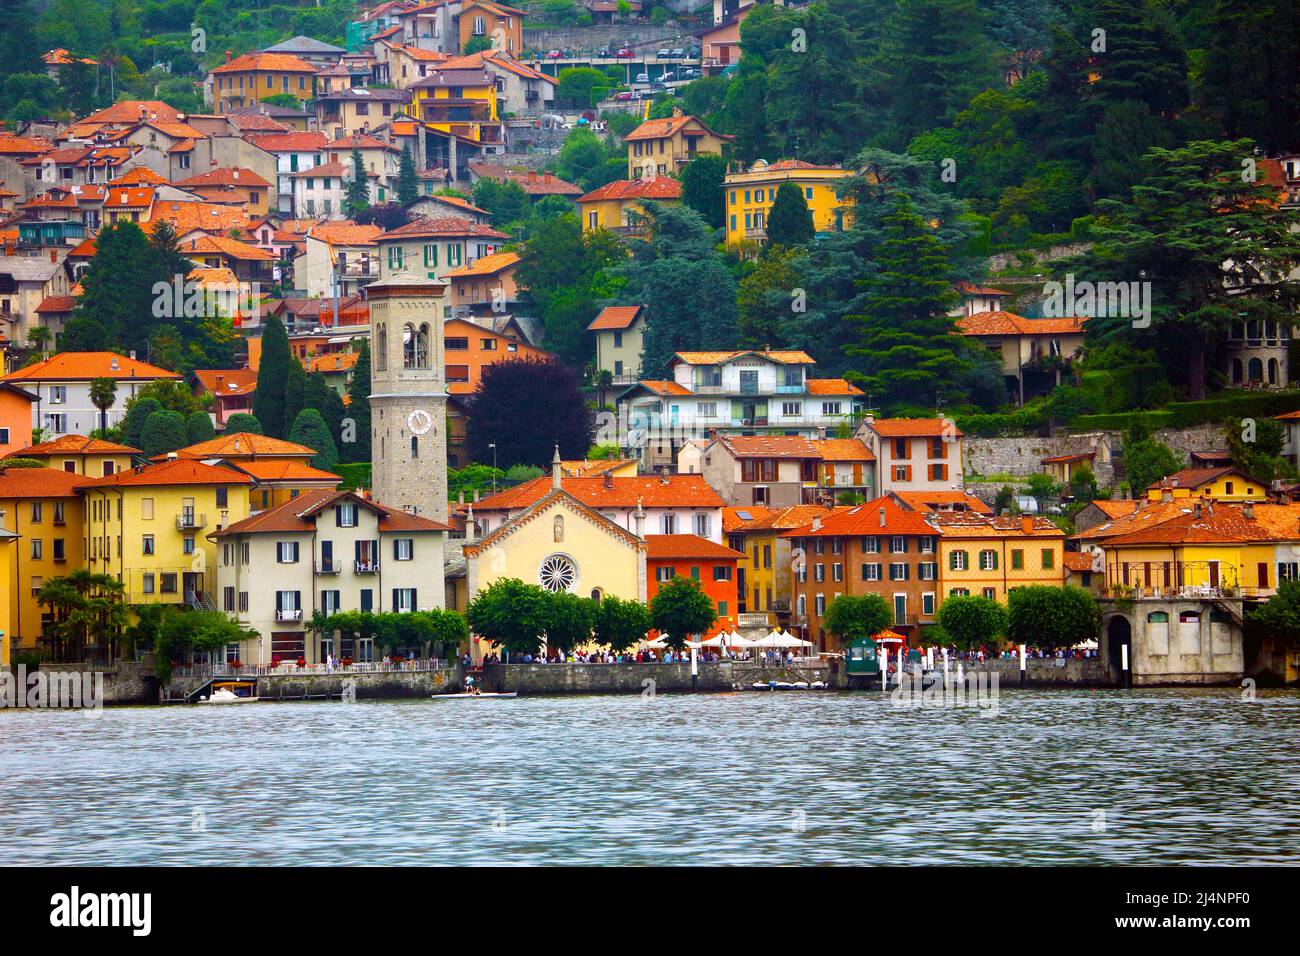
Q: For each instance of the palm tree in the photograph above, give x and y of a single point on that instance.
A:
(87, 610)
(38, 338)
(103, 391)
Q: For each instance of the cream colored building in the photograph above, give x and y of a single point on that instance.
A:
(620, 336)
(326, 551)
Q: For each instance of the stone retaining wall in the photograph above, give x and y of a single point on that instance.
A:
(127, 682)
(528, 679)
(387, 685)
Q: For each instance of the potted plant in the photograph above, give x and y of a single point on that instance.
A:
(276, 660)
(236, 664)
(302, 662)
(346, 662)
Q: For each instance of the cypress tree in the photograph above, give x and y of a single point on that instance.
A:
(137, 413)
(295, 394)
(243, 422)
(356, 194)
(356, 423)
(908, 342)
(408, 184)
(163, 432)
(789, 222)
(198, 427)
(272, 374)
(309, 429)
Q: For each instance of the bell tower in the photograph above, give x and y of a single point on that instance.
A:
(408, 395)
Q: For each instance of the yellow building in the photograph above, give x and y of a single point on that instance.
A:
(750, 195)
(148, 527)
(280, 470)
(764, 575)
(462, 103)
(661, 147)
(79, 455)
(617, 206)
(251, 78)
(1218, 484)
(43, 507)
(987, 555)
(8, 541)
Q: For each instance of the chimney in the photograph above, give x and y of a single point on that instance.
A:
(1166, 490)
(54, 255)
(460, 497)
(556, 482)
(609, 481)
(817, 522)
(476, 494)
(469, 525)
(821, 432)
(1027, 524)
(1248, 511)
(882, 517)
(227, 60)
(1197, 511)
(236, 444)
(131, 354)
(171, 456)
(638, 519)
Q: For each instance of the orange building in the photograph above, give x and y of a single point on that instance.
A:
(469, 347)
(488, 282)
(248, 79)
(15, 417)
(493, 21)
(690, 556)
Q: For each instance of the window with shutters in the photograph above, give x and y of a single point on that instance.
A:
(898, 571)
(870, 545)
(898, 544)
(988, 560)
(403, 549)
(1049, 559)
(957, 561)
(286, 552)
(871, 572)
(1017, 559)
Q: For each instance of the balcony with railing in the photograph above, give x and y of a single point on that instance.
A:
(330, 566)
(367, 567)
(290, 614)
(189, 521)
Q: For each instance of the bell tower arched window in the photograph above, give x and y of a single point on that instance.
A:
(381, 347)
(415, 346)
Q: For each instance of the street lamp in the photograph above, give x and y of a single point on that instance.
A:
(493, 446)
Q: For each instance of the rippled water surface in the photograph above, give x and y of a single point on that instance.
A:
(1081, 776)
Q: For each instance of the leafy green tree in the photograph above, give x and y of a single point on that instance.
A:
(1005, 502)
(1042, 488)
(907, 342)
(86, 610)
(620, 624)
(1146, 460)
(163, 432)
(569, 620)
(465, 481)
(199, 428)
(583, 87)
(789, 222)
(526, 407)
(1052, 617)
(103, 392)
(1256, 448)
(272, 373)
(505, 200)
(477, 45)
(702, 188)
(1213, 245)
(243, 422)
(117, 302)
(1083, 483)
(852, 616)
(681, 609)
(309, 429)
(408, 183)
(973, 621)
(510, 614)
(1279, 616)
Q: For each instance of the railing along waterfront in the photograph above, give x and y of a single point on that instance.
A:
(290, 669)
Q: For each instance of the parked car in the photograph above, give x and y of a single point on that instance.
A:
(605, 54)
(664, 53)
(668, 77)
(625, 53)
(624, 96)
(554, 55)
(691, 74)
(642, 78)
(678, 54)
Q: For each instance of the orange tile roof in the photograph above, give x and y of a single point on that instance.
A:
(230, 381)
(443, 226)
(843, 449)
(737, 519)
(940, 500)
(485, 266)
(76, 366)
(780, 519)
(831, 386)
(136, 175)
(866, 519)
(1146, 515)
(246, 445)
(293, 142)
(615, 317)
(133, 111)
(675, 491)
(129, 197)
(1116, 508)
(28, 483)
(660, 188)
(187, 216)
(768, 446)
(1008, 323)
(227, 176)
(55, 304)
(225, 246)
(173, 471)
(1077, 561)
(284, 469)
(1196, 477)
(666, 547)
(665, 388)
(973, 524)
(266, 62)
(659, 128)
(74, 445)
(912, 427)
(335, 362)
(1226, 524)
(1061, 459)
(345, 233)
(588, 469)
(969, 288)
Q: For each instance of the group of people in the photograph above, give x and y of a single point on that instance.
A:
(706, 655)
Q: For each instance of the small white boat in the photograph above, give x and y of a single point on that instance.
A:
(759, 686)
(223, 695)
(817, 685)
(800, 685)
(485, 694)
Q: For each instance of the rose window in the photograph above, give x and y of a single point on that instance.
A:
(557, 573)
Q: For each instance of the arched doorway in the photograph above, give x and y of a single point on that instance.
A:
(1119, 634)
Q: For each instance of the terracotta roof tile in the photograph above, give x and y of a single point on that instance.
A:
(866, 519)
(660, 188)
(940, 501)
(173, 471)
(75, 445)
(912, 427)
(230, 381)
(1008, 323)
(615, 317)
(485, 266)
(277, 62)
(28, 483)
(665, 547)
(676, 491)
(76, 366)
(246, 444)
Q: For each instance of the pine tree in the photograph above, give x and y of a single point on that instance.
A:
(356, 422)
(408, 184)
(908, 343)
(789, 222)
(272, 373)
(356, 195)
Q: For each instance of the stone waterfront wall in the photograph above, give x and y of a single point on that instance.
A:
(530, 679)
(388, 685)
(1039, 672)
(127, 682)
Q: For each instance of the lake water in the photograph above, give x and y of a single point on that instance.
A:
(1079, 776)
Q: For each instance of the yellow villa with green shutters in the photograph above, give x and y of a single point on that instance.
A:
(750, 194)
(149, 527)
(989, 556)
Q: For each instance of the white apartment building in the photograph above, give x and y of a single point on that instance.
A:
(62, 386)
(433, 247)
(325, 551)
(745, 392)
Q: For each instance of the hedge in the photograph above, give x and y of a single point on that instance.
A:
(1029, 418)
(355, 475)
(1210, 411)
